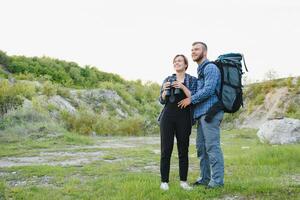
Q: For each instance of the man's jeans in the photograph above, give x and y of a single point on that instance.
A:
(209, 150)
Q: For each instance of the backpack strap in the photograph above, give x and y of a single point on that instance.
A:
(244, 62)
(202, 76)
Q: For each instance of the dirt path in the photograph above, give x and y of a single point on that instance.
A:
(79, 155)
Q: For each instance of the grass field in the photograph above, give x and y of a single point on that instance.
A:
(79, 167)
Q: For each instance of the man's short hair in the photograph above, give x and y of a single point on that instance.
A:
(202, 43)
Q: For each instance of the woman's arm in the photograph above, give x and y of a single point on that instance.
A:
(164, 86)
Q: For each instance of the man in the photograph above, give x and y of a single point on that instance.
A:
(208, 131)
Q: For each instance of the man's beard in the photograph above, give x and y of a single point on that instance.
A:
(199, 58)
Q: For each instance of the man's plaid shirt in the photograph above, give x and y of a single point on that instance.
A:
(208, 84)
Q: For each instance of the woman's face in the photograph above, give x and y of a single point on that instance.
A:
(179, 64)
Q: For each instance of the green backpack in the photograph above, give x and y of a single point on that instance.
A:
(231, 91)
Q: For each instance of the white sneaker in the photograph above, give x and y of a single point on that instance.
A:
(164, 186)
(184, 185)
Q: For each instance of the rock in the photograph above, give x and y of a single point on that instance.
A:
(61, 103)
(99, 100)
(11, 79)
(295, 80)
(280, 131)
(270, 109)
(27, 104)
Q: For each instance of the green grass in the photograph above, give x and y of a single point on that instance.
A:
(252, 171)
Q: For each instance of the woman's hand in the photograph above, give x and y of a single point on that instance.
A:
(166, 85)
(178, 84)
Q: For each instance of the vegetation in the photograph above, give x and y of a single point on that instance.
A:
(58, 77)
(255, 93)
(133, 173)
(12, 95)
(68, 74)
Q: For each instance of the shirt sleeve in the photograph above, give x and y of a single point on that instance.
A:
(211, 77)
(193, 86)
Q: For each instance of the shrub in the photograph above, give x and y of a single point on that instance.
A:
(259, 99)
(12, 95)
(49, 89)
(131, 126)
(4, 59)
(25, 76)
(293, 111)
(64, 92)
(82, 122)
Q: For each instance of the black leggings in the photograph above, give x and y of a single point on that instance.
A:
(180, 126)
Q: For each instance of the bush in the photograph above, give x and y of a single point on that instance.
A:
(64, 92)
(131, 126)
(26, 90)
(3, 74)
(21, 116)
(49, 89)
(82, 122)
(12, 95)
(293, 111)
(85, 122)
(59, 71)
(25, 76)
(4, 59)
(259, 99)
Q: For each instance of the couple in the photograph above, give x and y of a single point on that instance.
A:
(187, 99)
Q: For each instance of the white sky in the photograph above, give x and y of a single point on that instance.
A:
(138, 39)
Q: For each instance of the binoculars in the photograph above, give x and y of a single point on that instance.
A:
(172, 91)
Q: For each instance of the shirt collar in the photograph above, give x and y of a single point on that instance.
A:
(201, 65)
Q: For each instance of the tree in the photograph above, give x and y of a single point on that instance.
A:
(4, 59)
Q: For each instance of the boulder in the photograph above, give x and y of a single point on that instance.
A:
(280, 131)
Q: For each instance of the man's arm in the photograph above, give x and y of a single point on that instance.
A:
(211, 77)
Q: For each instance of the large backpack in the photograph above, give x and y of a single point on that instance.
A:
(231, 92)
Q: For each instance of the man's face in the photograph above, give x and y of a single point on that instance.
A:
(197, 52)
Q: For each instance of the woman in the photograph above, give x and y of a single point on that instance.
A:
(175, 121)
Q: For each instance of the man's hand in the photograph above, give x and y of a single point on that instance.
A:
(185, 102)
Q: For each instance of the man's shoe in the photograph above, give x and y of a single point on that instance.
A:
(200, 183)
(213, 186)
(164, 186)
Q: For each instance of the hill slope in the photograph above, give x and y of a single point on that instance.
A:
(267, 100)
(87, 100)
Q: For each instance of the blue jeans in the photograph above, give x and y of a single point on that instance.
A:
(209, 150)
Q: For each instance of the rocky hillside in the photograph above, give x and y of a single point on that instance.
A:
(50, 95)
(267, 100)
(45, 93)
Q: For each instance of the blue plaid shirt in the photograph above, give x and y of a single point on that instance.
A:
(208, 84)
